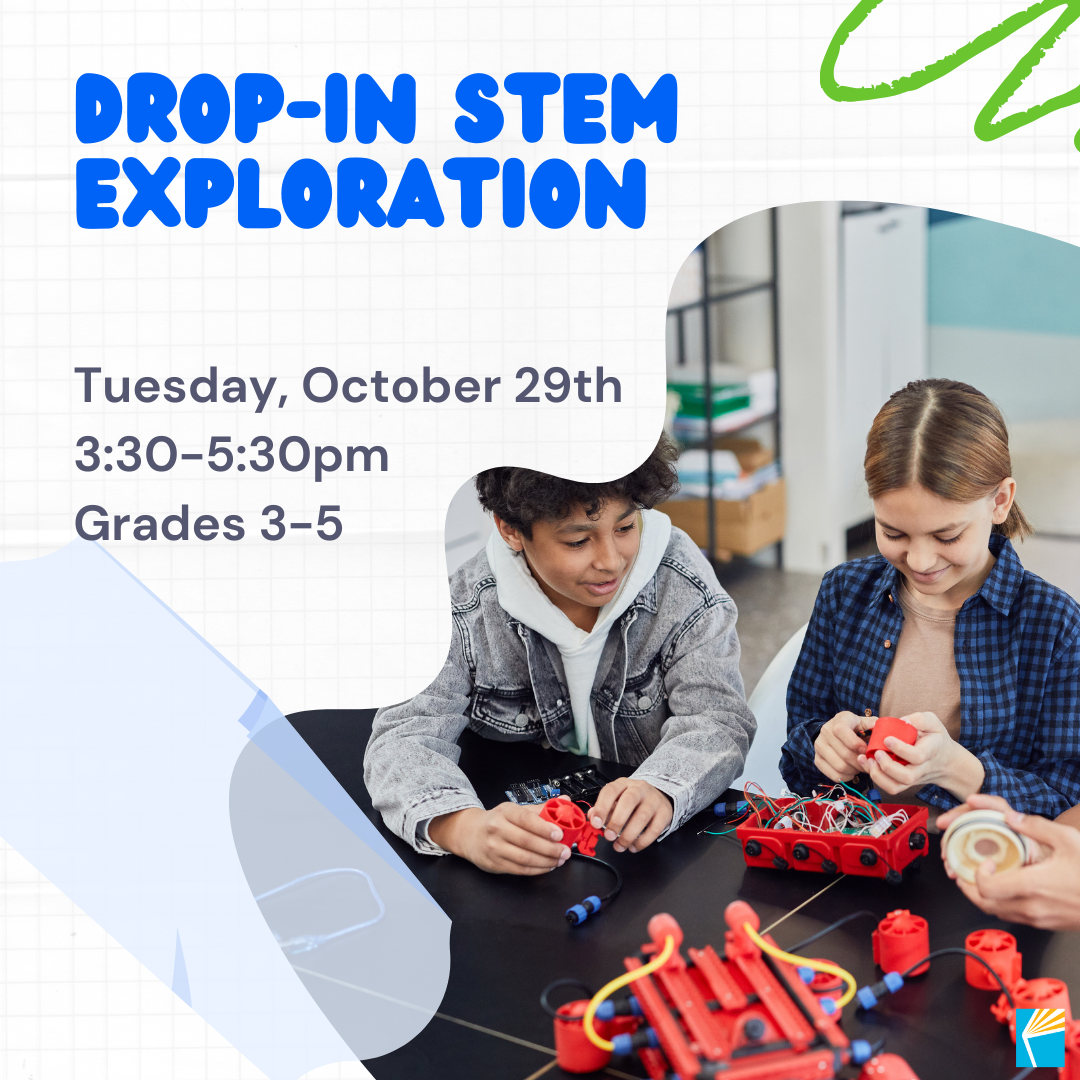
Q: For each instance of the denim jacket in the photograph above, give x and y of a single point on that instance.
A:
(667, 698)
(1017, 652)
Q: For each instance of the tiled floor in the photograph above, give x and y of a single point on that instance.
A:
(772, 605)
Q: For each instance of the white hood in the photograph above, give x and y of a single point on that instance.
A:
(522, 598)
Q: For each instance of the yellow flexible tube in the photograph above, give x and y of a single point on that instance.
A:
(623, 980)
(801, 961)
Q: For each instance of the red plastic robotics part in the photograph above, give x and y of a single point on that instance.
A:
(723, 1012)
(1071, 1070)
(1031, 994)
(574, 1052)
(998, 949)
(897, 728)
(826, 985)
(575, 826)
(885, 856)
(899, 940)
(887, 1067)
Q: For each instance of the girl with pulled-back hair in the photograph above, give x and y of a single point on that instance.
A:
(945, 628)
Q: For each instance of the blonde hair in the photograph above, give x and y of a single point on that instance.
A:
(949, 438)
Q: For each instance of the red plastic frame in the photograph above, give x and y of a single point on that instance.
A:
(893, 851)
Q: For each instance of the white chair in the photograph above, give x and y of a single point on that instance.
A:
(768, 703)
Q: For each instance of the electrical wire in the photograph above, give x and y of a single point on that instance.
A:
(307, 942)
(616, 984)
(956, 951)
(829, 929)
(557, 984)
(607, 897)
(801, 961)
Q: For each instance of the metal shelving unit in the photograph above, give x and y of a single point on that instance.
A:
(730, 289)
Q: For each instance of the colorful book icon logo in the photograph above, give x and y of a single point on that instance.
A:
(1040, 1037)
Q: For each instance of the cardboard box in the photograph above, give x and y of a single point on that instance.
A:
(751, 454)
(742, 528)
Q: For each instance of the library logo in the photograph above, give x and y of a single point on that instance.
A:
(1040, 1038)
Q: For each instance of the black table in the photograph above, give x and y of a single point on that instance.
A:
(510, 938)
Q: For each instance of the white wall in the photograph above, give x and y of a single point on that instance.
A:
(808, 243)
(852, 330)
(883, 337)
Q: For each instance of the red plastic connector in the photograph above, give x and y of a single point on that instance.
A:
(897, 728)
(574, 824)
(998, 949)
(1071, 1069)
(573, 1050)
(887, 1067)
(899, 940)
(1031, 994)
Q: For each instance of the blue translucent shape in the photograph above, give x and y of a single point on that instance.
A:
(119, 747)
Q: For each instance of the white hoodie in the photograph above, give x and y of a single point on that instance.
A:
(522, 598)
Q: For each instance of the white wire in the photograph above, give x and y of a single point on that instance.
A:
(307, 942)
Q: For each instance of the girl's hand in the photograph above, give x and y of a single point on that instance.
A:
(838, 749)
(509, 839)
(632, 813)
(936, 758)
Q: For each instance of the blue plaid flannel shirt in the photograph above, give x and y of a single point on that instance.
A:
(1017, 651)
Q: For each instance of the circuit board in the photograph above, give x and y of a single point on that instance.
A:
(581, 784)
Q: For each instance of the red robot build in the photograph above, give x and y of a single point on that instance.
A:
(745, 1013)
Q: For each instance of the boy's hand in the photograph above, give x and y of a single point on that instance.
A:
(509, 839)
(838, 748)
(632, 813)
(936, 758)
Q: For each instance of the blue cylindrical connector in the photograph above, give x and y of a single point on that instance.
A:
(861, 1051)
(828, 1005)
(576, 914)
(605, 1010)
(580, 912)
(622, 1045)
(869, 996)
(635, 1007)
(806, 973)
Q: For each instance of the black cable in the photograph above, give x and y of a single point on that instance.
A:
(963, 952)
(549, 1008)
(608, 897)
(829, 929)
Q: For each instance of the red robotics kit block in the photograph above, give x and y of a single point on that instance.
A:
(1032, 994)
(897, 728)
(887, 1067)
(899, 940)
(575, 826)
(998, 949)
(884, 856)
(574, 1052)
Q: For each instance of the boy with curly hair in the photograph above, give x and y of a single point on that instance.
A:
(593, 626)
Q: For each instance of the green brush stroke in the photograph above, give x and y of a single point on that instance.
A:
(987, 126)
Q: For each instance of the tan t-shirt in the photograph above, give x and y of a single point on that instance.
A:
(923, 675)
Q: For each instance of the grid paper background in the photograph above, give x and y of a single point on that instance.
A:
(364, 621)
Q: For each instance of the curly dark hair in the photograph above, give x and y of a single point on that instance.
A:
(521, 497)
